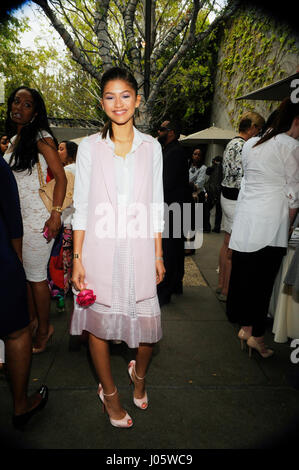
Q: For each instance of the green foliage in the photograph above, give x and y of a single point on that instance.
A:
(16, 64)
(67, 90)
(253, 49)
(188, 93)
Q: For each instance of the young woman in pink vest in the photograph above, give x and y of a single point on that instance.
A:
(118, 222)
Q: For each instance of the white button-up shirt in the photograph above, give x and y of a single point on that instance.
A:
(270, 187)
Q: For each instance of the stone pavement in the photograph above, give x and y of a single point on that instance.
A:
(204, 392)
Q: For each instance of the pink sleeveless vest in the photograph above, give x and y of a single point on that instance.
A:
(98, 250)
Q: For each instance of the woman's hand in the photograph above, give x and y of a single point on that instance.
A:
(160, 271)
(291, 229)
(53, 224)
(78, 275)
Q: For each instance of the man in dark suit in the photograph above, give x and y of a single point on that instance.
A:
(176, 190)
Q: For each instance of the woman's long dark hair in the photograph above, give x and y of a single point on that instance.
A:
(71, 149)
(283, 119)
(116, 73)
(25, 154)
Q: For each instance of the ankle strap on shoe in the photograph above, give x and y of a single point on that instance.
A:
(110, 394)
(139, 378)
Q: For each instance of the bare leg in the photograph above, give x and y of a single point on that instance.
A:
(143, 357)
(222, 257)
(100, 353)
(224, 265)
(42, 300)
(18, 357)
(227, 272)
(32, 309)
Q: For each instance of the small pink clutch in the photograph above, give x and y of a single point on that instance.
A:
(46, 233)
(85, 298)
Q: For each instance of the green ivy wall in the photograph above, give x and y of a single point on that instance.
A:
(255, 50)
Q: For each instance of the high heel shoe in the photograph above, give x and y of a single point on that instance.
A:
(259, 347)
(141, 403)
(45, 339)
(19, 421)
(243, 336)
(125, 422)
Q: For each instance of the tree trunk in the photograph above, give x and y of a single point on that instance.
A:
(143, 118)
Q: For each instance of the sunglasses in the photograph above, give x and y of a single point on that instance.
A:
(162, 129)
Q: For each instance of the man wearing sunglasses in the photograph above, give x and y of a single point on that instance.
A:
(176, 190)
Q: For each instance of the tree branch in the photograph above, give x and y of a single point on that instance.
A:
(227, 13)
(123, 40)
(132, 50)
(101, 30)
(67, 39)
(76, 10)
(177, 56)
(189, 40)
(76, 33)
(161, 16)
(153, 17)
(172, 34)
(120, 6)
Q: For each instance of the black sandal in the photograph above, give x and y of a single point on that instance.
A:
(20, 421)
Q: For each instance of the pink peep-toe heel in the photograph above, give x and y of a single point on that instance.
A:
(260, 347)
(141, 403)
(125, 422)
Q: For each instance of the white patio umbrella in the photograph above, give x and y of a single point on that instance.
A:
(210, 135)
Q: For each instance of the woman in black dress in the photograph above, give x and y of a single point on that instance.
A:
(14, 316)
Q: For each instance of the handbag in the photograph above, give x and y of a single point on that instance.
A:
(46, 190)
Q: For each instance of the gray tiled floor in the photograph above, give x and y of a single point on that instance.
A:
(205, 393)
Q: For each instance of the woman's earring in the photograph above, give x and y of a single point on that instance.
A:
(32, 119)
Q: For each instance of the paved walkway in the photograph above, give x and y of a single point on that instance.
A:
(205, 393)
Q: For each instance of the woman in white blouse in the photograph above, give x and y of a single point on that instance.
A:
(197, 175)
(116, 254)
(266, 207)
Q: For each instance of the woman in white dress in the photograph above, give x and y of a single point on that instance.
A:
(31, 140)
(266, 207)
(119, 174)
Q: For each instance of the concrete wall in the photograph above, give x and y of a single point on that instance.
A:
(69, 133)
(220, 116)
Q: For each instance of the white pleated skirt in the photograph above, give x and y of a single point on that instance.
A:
(125, 320)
